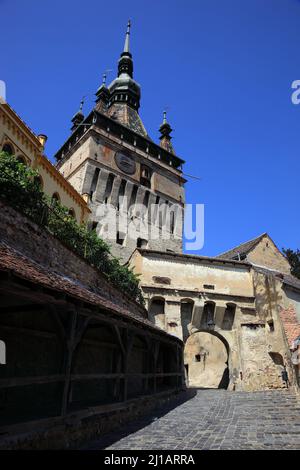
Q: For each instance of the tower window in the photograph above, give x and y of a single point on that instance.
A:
(109, 185)
(133, 198)
(94, 225)
(172, 222)
(145, 176)
(94, 182)
(141, 243)
(120, 238)
(121, 194)
(146, 199)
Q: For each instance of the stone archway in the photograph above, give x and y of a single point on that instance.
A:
(206, 360)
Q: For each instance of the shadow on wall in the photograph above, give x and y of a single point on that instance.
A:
(129, 428)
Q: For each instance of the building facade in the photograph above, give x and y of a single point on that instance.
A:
(134, 186)
(239, 320)
(16, 138)
(82, 358)
(236, 313)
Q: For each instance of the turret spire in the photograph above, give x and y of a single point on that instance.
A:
(81, 104)
(165, 138)
(126, 45)
(102, 95)
(165, 117)
(125, 65)
(78, 117)
(124, 93)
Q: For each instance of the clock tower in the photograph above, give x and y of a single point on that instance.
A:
(133, 185)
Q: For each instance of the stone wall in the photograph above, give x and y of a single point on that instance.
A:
(77, 366)
(256, 342)
(38, 244)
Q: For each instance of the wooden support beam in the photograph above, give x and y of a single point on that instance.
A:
(22, 308)
(68, 361)
(120, 375)
(37, 294)
(81, 329)
(118, 334)
(129, 339)
(155, 357)
(52, 310)
(22, 381)
(29, 331)
(15, 382)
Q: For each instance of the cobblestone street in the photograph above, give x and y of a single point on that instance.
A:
(215, 419)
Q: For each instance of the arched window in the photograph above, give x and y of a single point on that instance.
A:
(228, 318)
(145, 176)
(207, 320)
(55, 198)
(186, 312)
(72, 213)
(7, 148)
(157, 312)
(108, 189)
(38, 180)
(21, 159)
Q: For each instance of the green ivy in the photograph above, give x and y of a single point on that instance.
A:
(19, 186)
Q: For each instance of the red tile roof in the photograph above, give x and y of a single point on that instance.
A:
(14, 262)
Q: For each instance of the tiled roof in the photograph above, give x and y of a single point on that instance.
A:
(292, 281)
(187, 258)
(14, 262)
(127, 116)
(287, 279)
(244, 248)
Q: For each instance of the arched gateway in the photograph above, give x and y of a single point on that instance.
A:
(206, 360)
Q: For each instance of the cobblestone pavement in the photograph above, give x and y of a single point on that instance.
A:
(215, 419)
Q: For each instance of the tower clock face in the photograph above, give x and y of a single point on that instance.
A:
(125, 163)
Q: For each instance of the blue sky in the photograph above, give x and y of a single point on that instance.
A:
(224, 69)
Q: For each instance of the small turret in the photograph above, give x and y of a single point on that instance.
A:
(78, 117)
(102, 95)
(165, 138)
